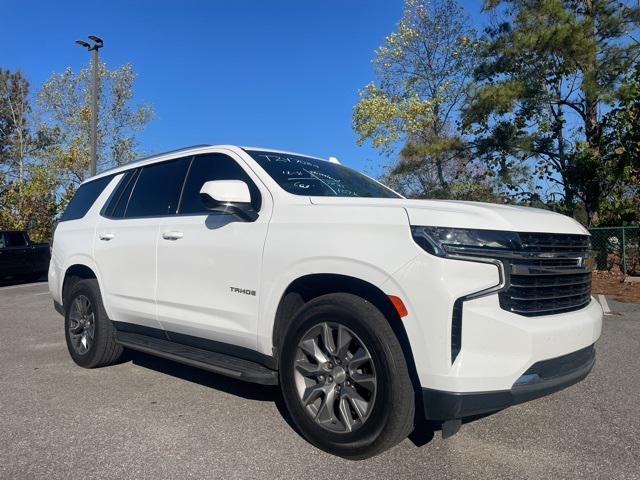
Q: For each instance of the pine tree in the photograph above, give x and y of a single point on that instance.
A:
(551, 70)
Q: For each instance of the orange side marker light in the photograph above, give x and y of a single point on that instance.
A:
(399, 306)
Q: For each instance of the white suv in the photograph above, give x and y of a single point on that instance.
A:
(373, 312)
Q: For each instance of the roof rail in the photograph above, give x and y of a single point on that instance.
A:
(157, 155)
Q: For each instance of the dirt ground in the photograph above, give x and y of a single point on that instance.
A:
(609, 283)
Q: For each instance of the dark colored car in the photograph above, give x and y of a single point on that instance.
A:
(20, 257)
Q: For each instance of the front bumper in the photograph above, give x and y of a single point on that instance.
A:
(543, 378)
(497, 346)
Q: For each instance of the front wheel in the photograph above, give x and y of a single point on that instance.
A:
(345, 379)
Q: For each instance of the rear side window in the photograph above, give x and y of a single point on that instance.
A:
(84, 198)
(157, 189)
(215, 166)
(118, 203)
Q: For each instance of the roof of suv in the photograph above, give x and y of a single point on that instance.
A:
(161, 156)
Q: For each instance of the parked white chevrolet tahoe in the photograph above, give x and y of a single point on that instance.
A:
(371, 311)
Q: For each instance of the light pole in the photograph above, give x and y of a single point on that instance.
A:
(97, 45)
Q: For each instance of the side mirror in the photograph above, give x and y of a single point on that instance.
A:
(228, 196)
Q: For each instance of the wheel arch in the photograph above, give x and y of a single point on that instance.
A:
(75, 272)
(310, 286)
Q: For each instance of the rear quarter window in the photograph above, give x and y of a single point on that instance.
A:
(84, 198)
(118, 202)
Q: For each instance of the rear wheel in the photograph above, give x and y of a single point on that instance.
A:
(89, 333)
(344, 377)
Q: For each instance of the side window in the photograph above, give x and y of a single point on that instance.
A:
(214, 166)
(2, 241)
(84, 198)
(118, 202)
(157, 189)
(15, 239)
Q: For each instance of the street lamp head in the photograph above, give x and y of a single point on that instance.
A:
(83, 43)
(96, 39)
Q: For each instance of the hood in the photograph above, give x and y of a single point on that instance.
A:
(484, 216)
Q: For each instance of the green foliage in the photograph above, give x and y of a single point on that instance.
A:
(41, 163)
(620, 157)
(549, 71)
(384, 119)
(65, 99)
(31, 205)
(14, 134)
(27, 188)
(423, 70)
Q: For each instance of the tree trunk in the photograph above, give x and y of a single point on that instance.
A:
(443, 182)
(569, 191)
(591, 125)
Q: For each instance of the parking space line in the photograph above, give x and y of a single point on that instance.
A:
(605, 306)
(23, 286)
(41, 293)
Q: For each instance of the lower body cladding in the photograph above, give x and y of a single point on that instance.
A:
(543, 378)
(499, 358)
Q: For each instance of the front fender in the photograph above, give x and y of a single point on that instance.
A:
(274, 289)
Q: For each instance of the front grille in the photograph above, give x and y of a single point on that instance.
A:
(547, 274)
(553, 242)
(543, 274)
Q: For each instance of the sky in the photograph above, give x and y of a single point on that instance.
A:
(279, 73)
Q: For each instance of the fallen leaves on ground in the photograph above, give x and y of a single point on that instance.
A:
(611, 283)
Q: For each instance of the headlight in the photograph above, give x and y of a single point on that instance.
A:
(443, 241)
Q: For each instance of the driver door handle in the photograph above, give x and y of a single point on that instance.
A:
(106, 236)
(172, 235)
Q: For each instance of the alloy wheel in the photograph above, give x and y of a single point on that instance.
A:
(81, 324)
(335, 377)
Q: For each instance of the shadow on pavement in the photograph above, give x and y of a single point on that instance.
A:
(250, 391)
(423, 433)
(10, 281)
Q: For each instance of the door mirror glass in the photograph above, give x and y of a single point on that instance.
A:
(228, 196)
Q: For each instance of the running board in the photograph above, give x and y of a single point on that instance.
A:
(196, 357)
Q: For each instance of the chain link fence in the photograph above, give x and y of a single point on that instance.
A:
(617, 249)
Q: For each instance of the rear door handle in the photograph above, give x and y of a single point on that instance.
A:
(107, 236)
(172, 235)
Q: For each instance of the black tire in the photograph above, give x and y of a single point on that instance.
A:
(391, 416)
(102, 350)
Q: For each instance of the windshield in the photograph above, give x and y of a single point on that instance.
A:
(310, 176)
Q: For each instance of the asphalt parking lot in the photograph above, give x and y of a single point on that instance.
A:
(150, 418)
